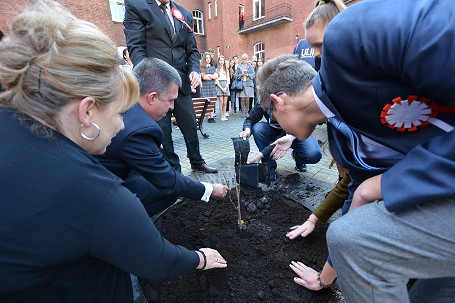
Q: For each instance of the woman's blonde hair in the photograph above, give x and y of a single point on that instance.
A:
(324, 12)
(51, 58)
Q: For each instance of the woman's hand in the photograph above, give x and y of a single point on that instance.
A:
(213, 259)
(303, 230)
(308, 277)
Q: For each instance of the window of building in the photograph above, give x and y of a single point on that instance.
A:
(198, 22)
(258, 9)
(259, 50)
(117, 10)
(210, 10)
(216, 8)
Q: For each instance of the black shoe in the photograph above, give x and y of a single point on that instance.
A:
(211, 120)
(272, 174)
(301, 168)
(204, 168)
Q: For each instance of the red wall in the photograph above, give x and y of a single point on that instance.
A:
(220, 31)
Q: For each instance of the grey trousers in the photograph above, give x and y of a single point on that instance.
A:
(375, 252)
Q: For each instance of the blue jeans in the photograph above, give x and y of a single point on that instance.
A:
(305, 152)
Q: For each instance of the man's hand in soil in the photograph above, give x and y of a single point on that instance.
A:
(219, 190)
(303, 230)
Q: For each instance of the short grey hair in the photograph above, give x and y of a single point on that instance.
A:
(285, 74)
(156, 75)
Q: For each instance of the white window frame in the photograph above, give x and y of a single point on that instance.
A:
(216, 8)
(210, 10)
(198, 22)
(259, 50)
(117, 10)
(258, 7)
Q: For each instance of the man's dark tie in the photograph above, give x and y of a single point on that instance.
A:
(353, 139)
(166, 16)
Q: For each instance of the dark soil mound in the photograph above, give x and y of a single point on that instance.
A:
(258, 254)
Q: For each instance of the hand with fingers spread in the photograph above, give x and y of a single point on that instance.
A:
(210, 258)
(310, 278)
(307, 277)
(282, 145)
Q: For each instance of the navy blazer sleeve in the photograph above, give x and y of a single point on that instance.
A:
(366, 68)
(141, 153)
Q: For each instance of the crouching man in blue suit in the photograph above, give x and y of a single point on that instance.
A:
(386, 89)
(134, 153)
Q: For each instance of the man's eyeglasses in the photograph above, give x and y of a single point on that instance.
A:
(273, 123)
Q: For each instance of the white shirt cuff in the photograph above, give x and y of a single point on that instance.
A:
(208, 191)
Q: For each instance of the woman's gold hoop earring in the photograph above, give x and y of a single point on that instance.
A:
(87, 137)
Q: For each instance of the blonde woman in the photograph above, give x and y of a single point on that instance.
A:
(222, 86)
(70, 230)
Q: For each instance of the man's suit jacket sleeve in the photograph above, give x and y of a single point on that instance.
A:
(134, 33)
(426, 173)
(413, 56)
(141, 153)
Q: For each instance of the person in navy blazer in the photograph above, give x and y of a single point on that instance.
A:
(387, 74)
(134, 153)
(148, 35)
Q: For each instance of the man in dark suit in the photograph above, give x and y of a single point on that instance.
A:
(166, 33)
(134, 153)
(388, 98)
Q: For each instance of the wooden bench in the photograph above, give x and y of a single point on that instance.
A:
(203, 107)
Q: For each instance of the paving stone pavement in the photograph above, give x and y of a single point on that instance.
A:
(218, 151)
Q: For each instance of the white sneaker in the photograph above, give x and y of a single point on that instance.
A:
(227, 115)
(224, 119)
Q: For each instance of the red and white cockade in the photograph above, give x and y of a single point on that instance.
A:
(179, 16)
(414, 112)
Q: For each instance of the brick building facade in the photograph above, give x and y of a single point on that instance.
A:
(271, 27)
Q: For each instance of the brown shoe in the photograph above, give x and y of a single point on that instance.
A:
(204, 168)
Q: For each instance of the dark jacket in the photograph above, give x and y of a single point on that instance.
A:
(147, 35)
(137, 148)
(413, 57)
(69, 230)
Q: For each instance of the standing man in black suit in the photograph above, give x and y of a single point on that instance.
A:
(163, 29)
(134, 153)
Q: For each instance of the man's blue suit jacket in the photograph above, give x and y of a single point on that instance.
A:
(366, 65)
(137, 149)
